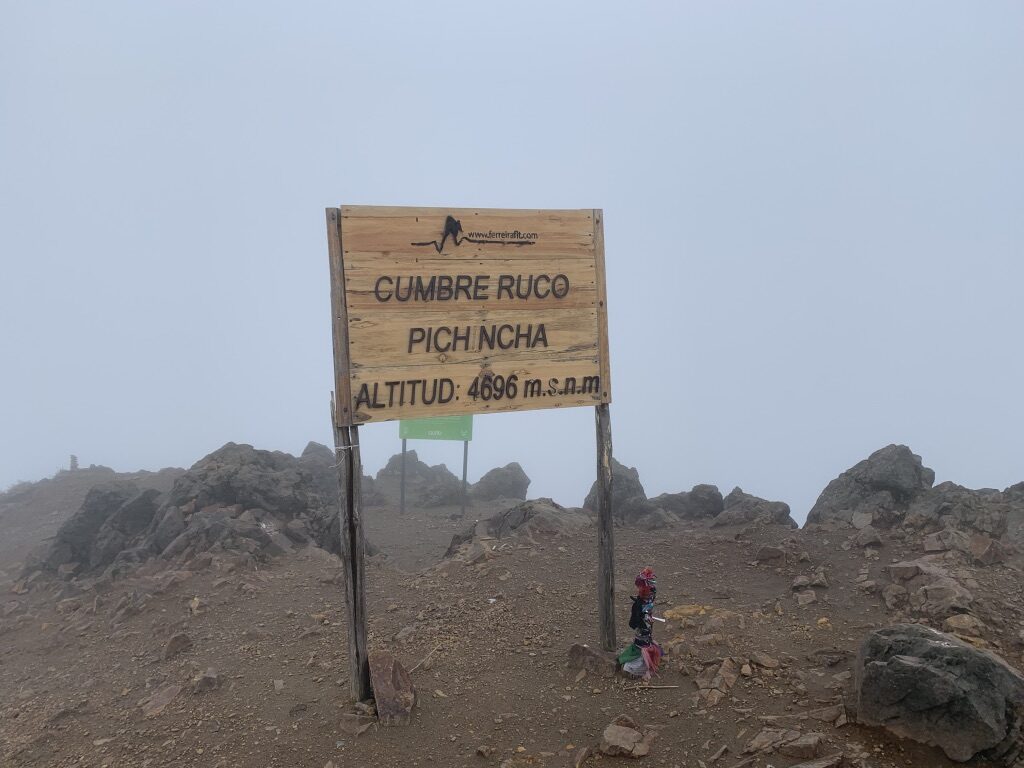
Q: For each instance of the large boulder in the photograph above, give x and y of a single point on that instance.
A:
(931, 687)
(701, 502)
(440, 488)
(949, 505)
(628, 495)
(508, 482)
(76, 538)
(425, 486)
(927, 589)
(534, 520)
(414, 468)
(742, 508)
(887, 481)
(251, 478)
(318, 460)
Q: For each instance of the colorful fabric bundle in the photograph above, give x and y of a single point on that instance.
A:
(646, 584)
(641, 657)
(629, 653)
(652, 656)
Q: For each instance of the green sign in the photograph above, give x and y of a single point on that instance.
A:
(437, 428)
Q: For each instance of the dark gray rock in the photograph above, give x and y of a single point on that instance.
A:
(131, 556)
(318, 460)
(655, 520)
(703, 501)
(742, 508)
(952, 506)
(539, 515)
(297, 531)
(536, 519)
(237, 500)
(931, 687)
(251, 478)
(890, 477)
(130, 519)
(169, 527)
(627, 493)
(508, 482)
(134, 516)
(425, 486)
(76, 538)
(439, 488)
(868, 536)
(414, 468)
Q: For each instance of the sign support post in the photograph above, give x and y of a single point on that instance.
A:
(605, 529)
(350, 471)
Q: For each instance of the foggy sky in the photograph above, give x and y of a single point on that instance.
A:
(813, 219)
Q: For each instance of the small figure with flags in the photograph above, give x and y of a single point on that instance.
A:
(641, 657)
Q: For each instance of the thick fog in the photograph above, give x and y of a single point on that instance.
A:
(814, 218)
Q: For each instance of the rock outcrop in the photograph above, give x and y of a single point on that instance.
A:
(76, 539)
(426, 486)
(508, 482)
(892, 490)
(931, 687)
(628, 495)
(880, 485)
(533, 520)
(951, 506)
(318, 460)
(926, 589)
(742, 508)
(700, 503)
(235, 500)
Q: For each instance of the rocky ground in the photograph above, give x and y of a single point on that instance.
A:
(229, 647)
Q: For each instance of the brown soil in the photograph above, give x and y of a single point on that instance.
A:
(71, 683)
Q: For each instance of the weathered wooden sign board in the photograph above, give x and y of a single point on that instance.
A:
(442, 311)
(448, 311)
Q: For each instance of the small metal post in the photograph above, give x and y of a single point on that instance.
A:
(465, 466)
(401, 505)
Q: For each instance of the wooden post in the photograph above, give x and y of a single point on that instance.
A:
(350, 473)
(465, 466)
(605, 531)
(401, 503)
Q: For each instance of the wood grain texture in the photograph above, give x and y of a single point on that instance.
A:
(363, 293)
(559, 233)
(602, 306)
(605, 530)
(427, 257)
(383, 339)
(339, 317)
(353, 546)
(463, 375)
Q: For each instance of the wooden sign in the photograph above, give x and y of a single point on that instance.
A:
(441, 311)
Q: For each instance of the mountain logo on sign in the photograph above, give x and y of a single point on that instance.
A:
(453, 229)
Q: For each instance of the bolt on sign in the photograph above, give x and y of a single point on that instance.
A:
(441, 311)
